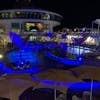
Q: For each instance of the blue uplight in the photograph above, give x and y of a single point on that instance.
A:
(63, 60)
(63, 46)
(80, 87)
(64, 36)
(85, 86)
(28, 47)
(51, 82)
(34, 70)
(80, 58)
(49, 34)
(79, 41)
(48, 82)
(37, 48)
(2, 68)
(22, 62)
(1, 65)
(23, 56)
(16, 39)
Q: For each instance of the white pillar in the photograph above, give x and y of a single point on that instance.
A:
(91, 89)
(92, 26)
(98, 28)
(54, 93)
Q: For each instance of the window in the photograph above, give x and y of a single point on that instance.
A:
(33, 27)
(15, 27)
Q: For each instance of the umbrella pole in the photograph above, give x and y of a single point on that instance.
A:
(91, 89)
(54, 93)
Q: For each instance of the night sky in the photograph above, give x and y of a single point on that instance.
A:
(76, 13)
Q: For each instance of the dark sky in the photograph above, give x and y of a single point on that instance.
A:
(76, 13)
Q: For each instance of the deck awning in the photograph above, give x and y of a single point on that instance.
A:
(97, 21)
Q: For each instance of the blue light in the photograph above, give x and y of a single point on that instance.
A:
(34, 70)
(51, 82)
(16, 39)
(80, 87)
(63, 46)
(37, 48)
(18, 66)
(48, 82)
(35, 79)
(51, 46)
(23, 56)
(2, 68)
(63, 60)
(1, 65)
(22, 62)
(49, 34)
(64, 36)
(28, 47)
(79, 41)
(85, 86)
(80, 58)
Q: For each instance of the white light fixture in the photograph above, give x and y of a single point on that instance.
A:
(98, 57)
(1, 56)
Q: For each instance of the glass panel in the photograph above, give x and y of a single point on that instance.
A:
(33, 27)
(15, 27)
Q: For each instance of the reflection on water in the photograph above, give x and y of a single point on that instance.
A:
(78, 50)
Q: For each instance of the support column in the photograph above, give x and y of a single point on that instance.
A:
(98, 28)
(92, 26)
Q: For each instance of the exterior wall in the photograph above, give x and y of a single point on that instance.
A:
(7, 17)
(7, 23)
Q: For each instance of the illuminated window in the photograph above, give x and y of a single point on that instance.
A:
(15, 27)
(32, 38)
(52, 17)
(18, 14)
(46, 28)
(33, 27)
(11, 15)
(3, 15)
(2, 29)
(40, 26)
(47, 16)
(6, 15)
(22, 14)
